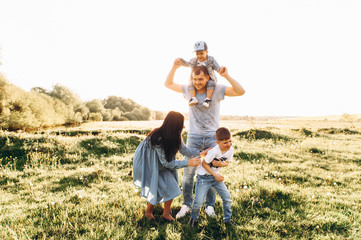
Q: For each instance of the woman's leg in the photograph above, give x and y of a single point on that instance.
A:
(166, 210)
(149, 212)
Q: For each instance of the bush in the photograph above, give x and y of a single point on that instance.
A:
(97, 117)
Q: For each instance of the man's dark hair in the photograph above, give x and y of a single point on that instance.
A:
(198, 69)
(222, 134)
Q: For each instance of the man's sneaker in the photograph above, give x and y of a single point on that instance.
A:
(210, 211)
(193, 222)
(193, 101)
(231, 223)
(206, 102)
(182, 212)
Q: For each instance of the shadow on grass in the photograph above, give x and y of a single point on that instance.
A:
(80, 180)
(316, 151)
(345, 131)
(246, 156)
(257, 134)
(78, 133)
(305, 132)
(15, 149)
(110, 145)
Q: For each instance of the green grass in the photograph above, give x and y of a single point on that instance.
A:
(286, 181)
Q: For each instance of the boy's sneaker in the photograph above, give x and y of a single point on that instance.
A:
(210, 211)
(193, 101)
(231, 223)
(182, 212)
(193, 222)
(206, 102)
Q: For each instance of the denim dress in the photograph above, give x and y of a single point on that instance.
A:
(154, 175)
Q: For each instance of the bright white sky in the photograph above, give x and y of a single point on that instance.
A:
(293, 57)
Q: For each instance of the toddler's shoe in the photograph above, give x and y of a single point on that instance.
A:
(210, 211)
(182, 212)
(206, 102)
(193, 101)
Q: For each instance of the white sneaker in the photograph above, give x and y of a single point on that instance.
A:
(210, 211)
(206, 102)
(193, 101)
(182, 212)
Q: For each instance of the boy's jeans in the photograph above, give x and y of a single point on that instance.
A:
(204, 182)
(200, 143)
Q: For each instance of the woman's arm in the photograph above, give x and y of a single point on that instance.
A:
(189, 152)
(174, 164)
(171, 164)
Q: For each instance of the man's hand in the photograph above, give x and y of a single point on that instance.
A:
(219, 177)
(236, 89)
(177, 63)
(223, 71)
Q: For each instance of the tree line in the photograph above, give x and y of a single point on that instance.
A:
(40, 107)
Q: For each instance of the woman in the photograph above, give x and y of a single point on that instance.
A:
(155, 166)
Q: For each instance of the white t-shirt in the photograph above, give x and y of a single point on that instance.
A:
(204, 121)
(215, 153)
(199, 63)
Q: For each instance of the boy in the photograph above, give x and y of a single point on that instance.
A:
(203, 59)
(208, 175)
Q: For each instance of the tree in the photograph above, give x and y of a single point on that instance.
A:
(97, 117)
(159, 115)
(65, 94)
(72, 100)
(40, 90)
(95, 106)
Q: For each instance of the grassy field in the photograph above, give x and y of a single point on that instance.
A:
(292, 179)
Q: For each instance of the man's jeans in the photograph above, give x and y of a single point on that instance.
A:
(199, 143)
(204, 183)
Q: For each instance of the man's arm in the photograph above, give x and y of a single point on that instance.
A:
(169, 82)
(236, 89)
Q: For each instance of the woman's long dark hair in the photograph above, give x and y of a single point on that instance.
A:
(168, 136)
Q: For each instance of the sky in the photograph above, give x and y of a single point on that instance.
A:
(293, 57)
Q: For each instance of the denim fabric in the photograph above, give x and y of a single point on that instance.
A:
(199, 143)
(204, 183)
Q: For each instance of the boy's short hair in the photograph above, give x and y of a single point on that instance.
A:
(198, 69)
(222, 134)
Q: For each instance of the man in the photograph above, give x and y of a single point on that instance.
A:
(203, 123)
